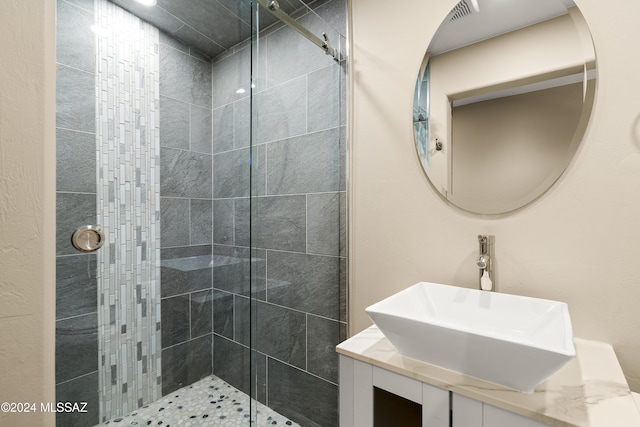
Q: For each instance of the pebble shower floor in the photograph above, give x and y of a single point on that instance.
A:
(208, 402)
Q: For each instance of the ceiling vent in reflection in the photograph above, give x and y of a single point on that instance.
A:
(462, 9)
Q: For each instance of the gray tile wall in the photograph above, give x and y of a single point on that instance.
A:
(296, 209)
(186, 214)
(186, 209)
(76, 284)
(292, 283)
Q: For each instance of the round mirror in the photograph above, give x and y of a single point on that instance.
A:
(502, 101)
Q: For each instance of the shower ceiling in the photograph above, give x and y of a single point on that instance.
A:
(210, 26)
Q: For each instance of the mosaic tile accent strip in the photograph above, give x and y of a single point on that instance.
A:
(128, 151)
(208, 402)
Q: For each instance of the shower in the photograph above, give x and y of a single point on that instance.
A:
(205, 140)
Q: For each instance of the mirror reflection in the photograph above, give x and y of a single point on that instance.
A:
(502, 101)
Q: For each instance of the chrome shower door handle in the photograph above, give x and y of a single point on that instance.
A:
(88, 238)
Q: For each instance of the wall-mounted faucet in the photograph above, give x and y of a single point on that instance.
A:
(485, 262)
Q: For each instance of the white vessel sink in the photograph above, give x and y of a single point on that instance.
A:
(511, 340)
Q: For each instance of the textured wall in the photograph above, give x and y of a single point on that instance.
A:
(27, 207)
(578, 243)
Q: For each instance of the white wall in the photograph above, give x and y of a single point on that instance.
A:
(579, 243)
(27, 207)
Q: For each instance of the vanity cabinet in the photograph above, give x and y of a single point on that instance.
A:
(371, 396)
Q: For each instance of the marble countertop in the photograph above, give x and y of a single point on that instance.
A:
(589, 391)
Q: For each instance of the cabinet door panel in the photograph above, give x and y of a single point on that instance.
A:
(466, 412)
(435, 406)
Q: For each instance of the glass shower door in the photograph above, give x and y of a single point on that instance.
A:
(298, 214)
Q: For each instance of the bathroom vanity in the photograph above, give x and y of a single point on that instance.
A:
(376, 380)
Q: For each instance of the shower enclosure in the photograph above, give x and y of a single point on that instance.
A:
(206, 139)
